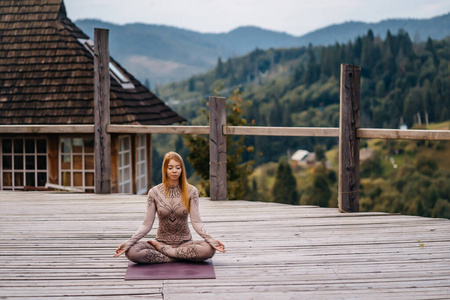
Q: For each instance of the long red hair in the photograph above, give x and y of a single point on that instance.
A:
(182, 180)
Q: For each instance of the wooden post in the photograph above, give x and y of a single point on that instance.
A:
(348, 197)
(53, 169)
(101, 112)
(149, 161)
(217, 149)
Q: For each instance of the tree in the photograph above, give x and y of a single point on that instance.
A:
(219, 69)
(237, 172)
(147, 83)
(285, 188)
(319, 191)
(319, 150)
(191, 84)
(312, 72)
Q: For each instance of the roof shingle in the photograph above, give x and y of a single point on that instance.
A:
(46, 74)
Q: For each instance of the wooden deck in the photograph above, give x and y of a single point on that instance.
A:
(60, 244)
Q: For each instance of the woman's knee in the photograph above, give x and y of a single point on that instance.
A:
(135, 253)
(207, 251)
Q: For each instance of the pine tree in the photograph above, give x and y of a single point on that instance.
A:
(219, 68)
(312, 72)
(285, 188)
(147, 83)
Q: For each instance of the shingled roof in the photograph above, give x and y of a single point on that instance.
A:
(46, 72)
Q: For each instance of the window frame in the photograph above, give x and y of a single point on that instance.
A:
(71, 170)
(122, 168)
(141, 145)
(24, 171)
(114, 69)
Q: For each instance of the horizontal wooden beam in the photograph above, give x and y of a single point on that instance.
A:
(152, 129)
(281, 131)
(364, 133)
(47, 128)
(398, 134)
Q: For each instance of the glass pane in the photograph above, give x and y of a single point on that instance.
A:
(126, 174)
(65, 178)
(18, 146)
(118, 73)
(7, 146)
(65, 162)
(142, 169)
(41, 146)
(120, 160)
(66, 145)
(78, 162)
(7, 162)
(127, 188)
(29, 146)
(7, 179)
(89, 179)
(89, 145)
(77, 179)
(18, 179)
(42, 162)
(30, 179)
(126, 142)
(120, 144)
(126, 159)
(77, 145)
(18, 162)
(89, 162)
(30, 162)
(42, 178)
(142, 140)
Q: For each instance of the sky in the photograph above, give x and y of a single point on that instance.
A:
(296, 17)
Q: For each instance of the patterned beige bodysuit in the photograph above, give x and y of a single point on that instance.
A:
(173, 230)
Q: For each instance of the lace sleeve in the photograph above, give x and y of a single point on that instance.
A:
(146, 225)
(196, 221)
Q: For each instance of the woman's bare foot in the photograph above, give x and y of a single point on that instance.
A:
(155, 244)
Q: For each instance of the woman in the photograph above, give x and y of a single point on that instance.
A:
(173, 200)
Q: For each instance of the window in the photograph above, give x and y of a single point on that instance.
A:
(125, 164)
(116, 73)
(24, 163)
(141, 165)
(77, 163)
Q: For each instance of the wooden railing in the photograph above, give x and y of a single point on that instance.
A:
(348, 132)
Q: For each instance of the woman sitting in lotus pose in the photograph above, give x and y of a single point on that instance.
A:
(174, 199)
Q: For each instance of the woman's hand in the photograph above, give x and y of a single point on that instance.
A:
(119, 251)
(220, 247)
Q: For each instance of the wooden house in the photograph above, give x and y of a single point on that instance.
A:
(47, 77)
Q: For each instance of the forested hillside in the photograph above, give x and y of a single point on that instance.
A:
(402, 83)
(160, 54)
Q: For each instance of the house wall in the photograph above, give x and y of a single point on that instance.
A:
(54, 157)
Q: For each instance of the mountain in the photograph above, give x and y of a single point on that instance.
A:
(418, 29)
(165, 54)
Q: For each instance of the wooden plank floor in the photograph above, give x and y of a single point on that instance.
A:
(56, 245)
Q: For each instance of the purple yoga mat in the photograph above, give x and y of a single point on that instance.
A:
(173, 270)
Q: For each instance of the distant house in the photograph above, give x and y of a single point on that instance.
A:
(46, 77)
(304, 158)
(307, 159)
